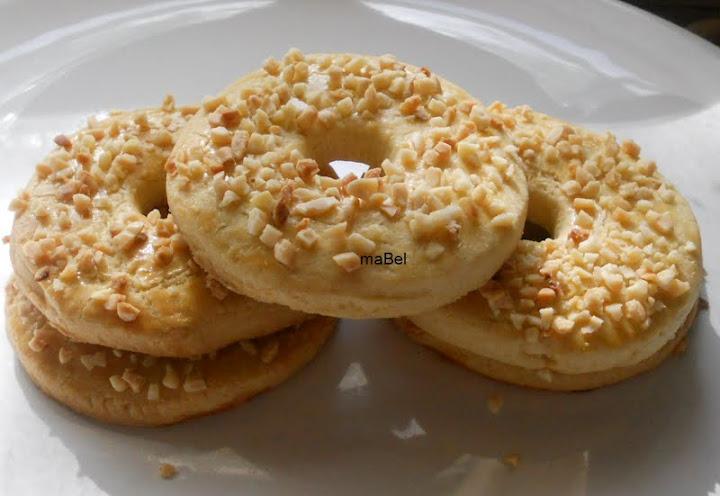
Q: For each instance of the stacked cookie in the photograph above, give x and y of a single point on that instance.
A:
(612, 289)
(107, 310)
(137, 236)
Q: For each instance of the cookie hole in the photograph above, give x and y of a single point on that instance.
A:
(535, 232)
(544, 214)
(151, 196)
(344, 167)
(352, 145)
(161, 207)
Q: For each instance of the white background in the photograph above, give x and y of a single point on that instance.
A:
(375, 414)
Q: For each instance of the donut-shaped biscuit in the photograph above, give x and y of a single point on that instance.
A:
(521, 376)
(95, 250)
(128, 388)
(606, 296)
(440, 208)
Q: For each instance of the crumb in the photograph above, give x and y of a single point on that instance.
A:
(703, 304)
(168, 471)
(512, 460)
(6, 239)
(495, 403)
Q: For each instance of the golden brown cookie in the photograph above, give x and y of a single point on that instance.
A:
(606, 294)
(134, 389)
(556, 381)
(95, 249)
(252, 190)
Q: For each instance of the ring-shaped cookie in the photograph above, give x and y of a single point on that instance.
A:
(94, 249)
(253, 191)
(128, 388)
(606, 296)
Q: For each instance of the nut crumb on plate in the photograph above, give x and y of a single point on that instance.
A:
(168, 471)
(512, 460)
(495, 403)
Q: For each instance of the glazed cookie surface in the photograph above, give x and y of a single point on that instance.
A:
(134, 389)
(94, 248)
(600, 299)
(253, 191)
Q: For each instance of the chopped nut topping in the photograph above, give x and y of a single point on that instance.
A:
(363, 188)
(315, 208)
(42, 274)
(272, 66)
(257, 220)
(545, 297)
(561, 325)
(37, 343)
(118, 383)
(194, 385)
(349, 261)
(284, 252)
(63, 141)
(545, 375)
(220, 136)
(269, 351)
(171, 380)
(249, 347)
(410, 105)
(64, 355)
(620, 265)
(307, 238)
(282, 208)
(82, 203)
(270, 235)
(153, 392)
(229, 198)
(95, 360)
(307, 169)
(360, 244)
(631, 148)
(127, 312)
(134, 380)
(506, 219)
(261, 129)
(437, 223)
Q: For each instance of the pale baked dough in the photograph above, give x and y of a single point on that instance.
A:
(91, 249)
(606, 292)
(135, 389)
(555, 381)
(251, 190)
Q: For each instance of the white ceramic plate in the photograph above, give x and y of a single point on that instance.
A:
(375, 414)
